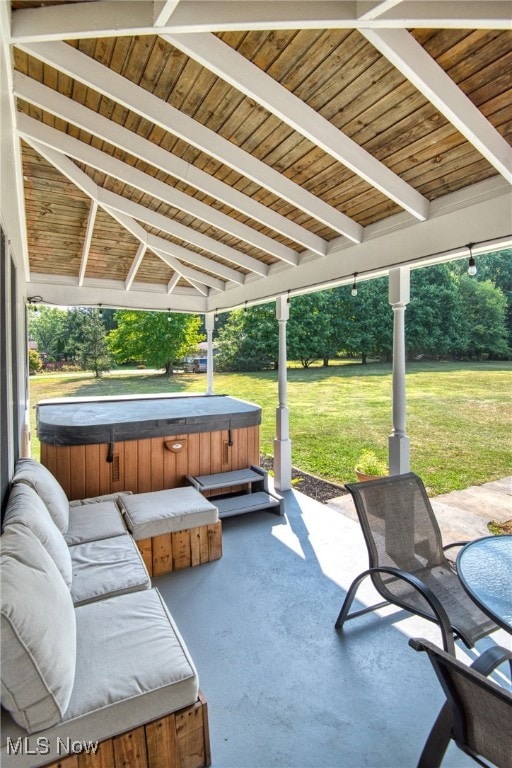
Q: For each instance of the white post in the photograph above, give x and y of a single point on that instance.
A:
(398, 443)
(209, 323)
(282, 443)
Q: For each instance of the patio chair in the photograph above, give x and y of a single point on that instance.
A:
(407, 560)
(478, 712)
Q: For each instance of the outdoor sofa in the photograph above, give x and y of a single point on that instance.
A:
(92, 660)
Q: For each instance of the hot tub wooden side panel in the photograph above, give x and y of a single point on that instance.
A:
(149, 464)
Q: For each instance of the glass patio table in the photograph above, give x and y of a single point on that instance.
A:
(485, 570)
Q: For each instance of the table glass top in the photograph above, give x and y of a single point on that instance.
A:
(485, 565)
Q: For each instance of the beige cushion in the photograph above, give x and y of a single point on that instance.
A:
(175, 509)
(47, 486)
(132, 667)
(38, 650)
(89, 522)
(105, 568)
(27, 508)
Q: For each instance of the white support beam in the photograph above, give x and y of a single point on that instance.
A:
(97, 125)
(410, 58)
(11, 176)
(131, 96)
(163, 10)
(137, 261)
(235, 69)
(368, 11)
(137, 17)
(34, 130)
(173, 282)
(87, 241)
(60, 290)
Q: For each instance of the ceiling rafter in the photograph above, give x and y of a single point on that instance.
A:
(61, 106)
(85, 184)
(231, 66)
(136, 17)
(89, 229)
(371, 11)
(134, 268)
(103, 80)
(163, 10)
(405, 53)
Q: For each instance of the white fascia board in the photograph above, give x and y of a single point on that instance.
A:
(411, 59)
(64, 292)
(137, 17)
(61, 106)
(105, 163)
(483, 217)
(246, 77)
(107, 82)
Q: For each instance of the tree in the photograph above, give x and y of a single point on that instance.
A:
(93, 352)
(47, 327)
(156, 339)
(433, 319)
(308, 337)
(484, 319)
(248, 340)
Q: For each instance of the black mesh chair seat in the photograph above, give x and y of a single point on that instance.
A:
(478, 712)
(407, 561)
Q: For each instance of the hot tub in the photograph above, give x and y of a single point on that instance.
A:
(141, 443)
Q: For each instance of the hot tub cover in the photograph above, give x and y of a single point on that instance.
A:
(87, 421)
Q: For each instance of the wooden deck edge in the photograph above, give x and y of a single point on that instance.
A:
(182, 549)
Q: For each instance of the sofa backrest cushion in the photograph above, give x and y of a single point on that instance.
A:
(38, 628)
(47, 486)
(24, 506)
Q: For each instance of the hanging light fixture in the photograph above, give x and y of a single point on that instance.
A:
(471, 263)
(354, 286)
(100, 312)
(168, 315)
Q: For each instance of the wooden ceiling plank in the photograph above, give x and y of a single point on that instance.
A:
(87, 242)
(427, 76)
(147, 151)
(243, 75)
(141, 250)
(147, 184)
(118, 88)
(136, 17)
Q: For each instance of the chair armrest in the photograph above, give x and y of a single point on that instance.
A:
(491, 659)
(431, 599)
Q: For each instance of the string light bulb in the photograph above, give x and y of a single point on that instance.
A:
(354, 286)
(168, 315)
(471, 263)
(100, 312)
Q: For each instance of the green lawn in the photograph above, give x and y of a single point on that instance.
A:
(458, 414)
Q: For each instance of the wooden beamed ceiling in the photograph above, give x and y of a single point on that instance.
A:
(201, 155)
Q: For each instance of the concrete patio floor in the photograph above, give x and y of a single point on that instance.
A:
(284, 687)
